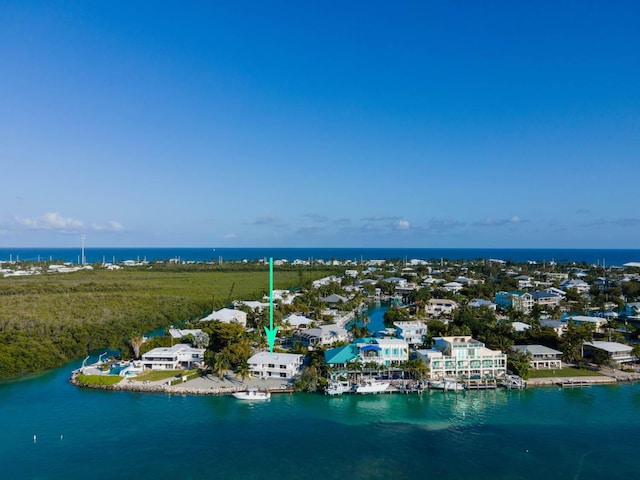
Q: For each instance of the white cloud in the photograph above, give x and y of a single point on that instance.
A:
(402, 225)
(111, 226)
(490, 222)
(230, 235)
(51, 221)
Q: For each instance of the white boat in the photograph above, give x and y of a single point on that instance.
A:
(446, 385)
(371, 386)
(252, 394)
(337, 388)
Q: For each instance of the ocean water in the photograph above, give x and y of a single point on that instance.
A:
(589, 433)
(593, 256)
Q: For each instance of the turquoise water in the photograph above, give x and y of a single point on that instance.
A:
(534, 434)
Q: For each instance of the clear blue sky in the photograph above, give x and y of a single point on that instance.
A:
(339, 124)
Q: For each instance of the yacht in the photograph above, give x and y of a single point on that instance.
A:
(252, 394)
(370, 386)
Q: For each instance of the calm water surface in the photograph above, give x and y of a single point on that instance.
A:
(535, 434)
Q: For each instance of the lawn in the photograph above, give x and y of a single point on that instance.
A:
(155, 375)
(563, 372)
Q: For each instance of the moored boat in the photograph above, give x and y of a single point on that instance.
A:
(252, 394)
(371, 386)
(337, 388)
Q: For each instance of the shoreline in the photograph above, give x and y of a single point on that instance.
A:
(210, 385)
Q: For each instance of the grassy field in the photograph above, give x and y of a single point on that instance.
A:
(563, 372)
(154, 375)
(49, 319)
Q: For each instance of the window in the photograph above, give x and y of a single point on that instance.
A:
(283, 375)
(271, 365)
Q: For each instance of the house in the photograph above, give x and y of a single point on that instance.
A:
(541, 357)
(616, 352)
(279, 365)
(334, 299)
(632, 309)
(479, 302)
(520, 327)
(596, 322)
(546, 299)
(172, 358)
(462, 356)
(253, 305)
(454, 287)
(579, 286)
(321, 282)
(297, 321)
(283, 297)
(322, 335)
(521, 301)
(228, 315)
(412, 332)
(178, 333)
(557, 326)
(556, 291)
(440, 306)
(383, 351)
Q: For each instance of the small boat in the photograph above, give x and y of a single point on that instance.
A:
(337, 388)
(446, 385)
(370, 386)
(252, 394)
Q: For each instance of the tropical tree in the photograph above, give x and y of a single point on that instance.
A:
(136, 343)
(243, 371)
(519, 363)
(221, 364)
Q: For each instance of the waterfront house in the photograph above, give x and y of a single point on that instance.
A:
(412, 332)
(172, 358)
(541, 357)
(228, 315)
(440, 306)
(322, 335)
(521, 301)
(382, 351)
(462, 356)
(616, 352)
(279, 365)
(321, 282)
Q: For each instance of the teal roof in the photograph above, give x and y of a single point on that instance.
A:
(344, 354)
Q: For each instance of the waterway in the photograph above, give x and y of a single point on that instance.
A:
(52, 430)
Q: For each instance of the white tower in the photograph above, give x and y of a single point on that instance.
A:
(82, 259)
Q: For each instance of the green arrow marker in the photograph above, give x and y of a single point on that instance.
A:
(271, 332)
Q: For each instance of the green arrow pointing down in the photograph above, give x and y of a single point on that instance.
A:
(271, 331)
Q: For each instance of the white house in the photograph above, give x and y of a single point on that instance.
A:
(462, 356)
(454, 287)
(280, 365)
(228, 315)
(520, 327)
(172, 358)
(179, 333)
(618, 352)
(546, 299)
(440, 306)
(322, 335)
(383, 351)
(412, 332)
(521, 301)
(298, 321)
(597, 322)
(541, 357)
(579, 286)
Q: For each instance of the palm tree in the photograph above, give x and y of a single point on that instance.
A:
(243, 371)
(136, 343)
(221, 364)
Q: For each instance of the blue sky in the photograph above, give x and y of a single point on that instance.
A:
(338, 124)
